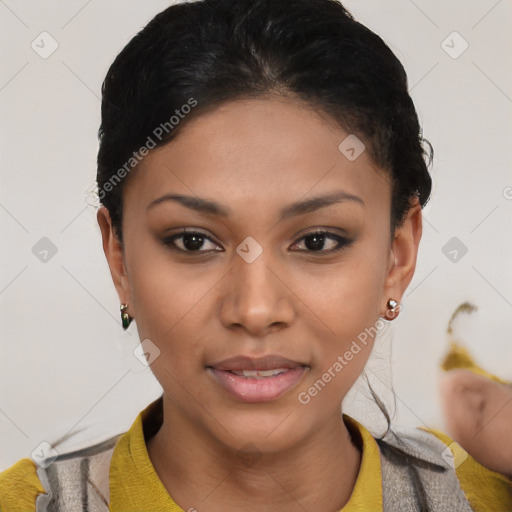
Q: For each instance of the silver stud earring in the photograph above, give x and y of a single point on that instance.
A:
(393, 309)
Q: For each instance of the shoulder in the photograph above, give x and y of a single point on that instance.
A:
(19, 487)
(458, 476)
(81, 474)
(484, 489)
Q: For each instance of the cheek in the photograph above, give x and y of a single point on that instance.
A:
(351, 308)
(354, 290)
(170, 304)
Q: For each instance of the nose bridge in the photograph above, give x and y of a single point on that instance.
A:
(258, 299)
(254, 278)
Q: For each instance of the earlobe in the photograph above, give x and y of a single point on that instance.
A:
(403, 254)
(114, 253)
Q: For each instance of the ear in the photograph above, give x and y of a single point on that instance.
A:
(403, 253)
(115, 256)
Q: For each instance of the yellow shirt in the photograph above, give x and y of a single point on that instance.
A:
(135, 485)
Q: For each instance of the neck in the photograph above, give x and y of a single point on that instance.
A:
(200, 473)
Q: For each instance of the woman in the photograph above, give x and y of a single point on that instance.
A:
(261, 173)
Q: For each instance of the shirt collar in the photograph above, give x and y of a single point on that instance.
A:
(135, 485)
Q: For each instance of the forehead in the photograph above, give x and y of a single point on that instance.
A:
(258, 152)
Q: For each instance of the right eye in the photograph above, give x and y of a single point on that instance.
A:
(190, 241)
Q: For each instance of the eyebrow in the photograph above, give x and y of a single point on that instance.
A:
(210, 207)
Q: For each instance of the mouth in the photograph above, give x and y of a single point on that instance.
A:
(257, 379)
(258, 374)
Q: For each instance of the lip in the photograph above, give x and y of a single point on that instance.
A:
(252, 389)
(247, 389)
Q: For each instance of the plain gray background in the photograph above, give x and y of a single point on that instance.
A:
(66, 363)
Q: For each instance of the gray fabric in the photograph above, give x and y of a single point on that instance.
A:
(415, 475)
(79, 481)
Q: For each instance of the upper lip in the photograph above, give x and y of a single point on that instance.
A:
(270, 362)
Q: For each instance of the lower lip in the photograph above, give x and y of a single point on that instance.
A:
(249, 389)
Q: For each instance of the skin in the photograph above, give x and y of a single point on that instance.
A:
(478, 415)
(255, 157)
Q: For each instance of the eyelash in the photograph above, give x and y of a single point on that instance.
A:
(342, 241)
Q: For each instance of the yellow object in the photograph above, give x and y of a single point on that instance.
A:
(458, 357)
(135, 485)
(19, 487)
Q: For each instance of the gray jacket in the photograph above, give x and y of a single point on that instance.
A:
(417, 476)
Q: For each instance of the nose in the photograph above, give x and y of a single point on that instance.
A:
(256, 297)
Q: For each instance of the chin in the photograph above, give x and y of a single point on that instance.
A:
(259, 431)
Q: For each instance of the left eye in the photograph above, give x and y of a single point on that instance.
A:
(315, 241)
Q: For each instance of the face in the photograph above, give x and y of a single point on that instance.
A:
(263, 270)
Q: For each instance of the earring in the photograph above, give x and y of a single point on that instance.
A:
(393, 309)
(125, 317)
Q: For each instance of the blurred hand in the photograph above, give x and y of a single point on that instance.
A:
(478, 416)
